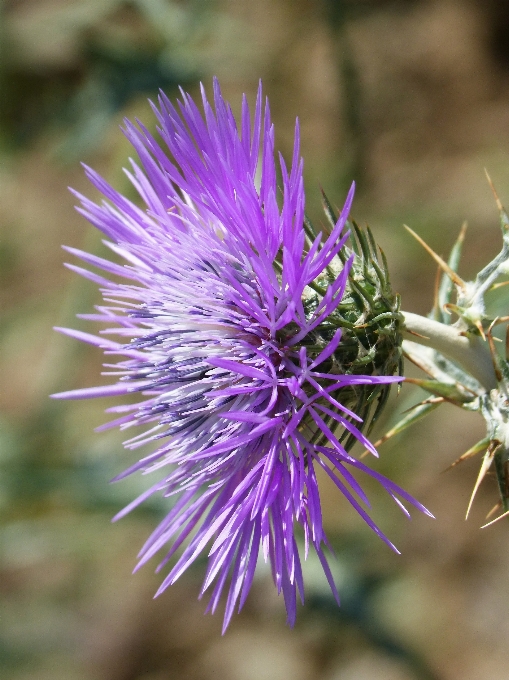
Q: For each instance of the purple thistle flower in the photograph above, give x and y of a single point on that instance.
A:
(212, 323)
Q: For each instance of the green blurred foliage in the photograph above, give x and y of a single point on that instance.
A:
(96, 57)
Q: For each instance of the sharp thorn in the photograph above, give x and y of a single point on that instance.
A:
(473, 451)
(492, 186)
(463, 231)
(479, 327)
(487, 460)
(417, 335)
(496, 507)
(493, 351)
(430, 400)
(442, 263)
(495, 520)
(499, 285)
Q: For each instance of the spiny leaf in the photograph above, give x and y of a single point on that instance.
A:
(440, 368)
(450, 391)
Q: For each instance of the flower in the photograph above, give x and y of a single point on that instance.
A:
(215, 325)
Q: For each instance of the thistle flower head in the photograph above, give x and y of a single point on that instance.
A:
(234, 345)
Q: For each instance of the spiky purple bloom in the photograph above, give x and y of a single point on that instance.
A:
(214, 315)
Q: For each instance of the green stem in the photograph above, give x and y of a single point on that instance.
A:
(471, 352)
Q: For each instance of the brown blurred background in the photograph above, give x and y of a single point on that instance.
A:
(411, 99)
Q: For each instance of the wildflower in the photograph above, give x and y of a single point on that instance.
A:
(219, 334)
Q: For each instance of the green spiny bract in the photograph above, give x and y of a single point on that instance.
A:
(370, 319)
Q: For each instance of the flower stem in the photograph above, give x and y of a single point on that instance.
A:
(470, 351)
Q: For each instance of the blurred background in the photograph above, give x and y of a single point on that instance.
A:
(411, 99)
